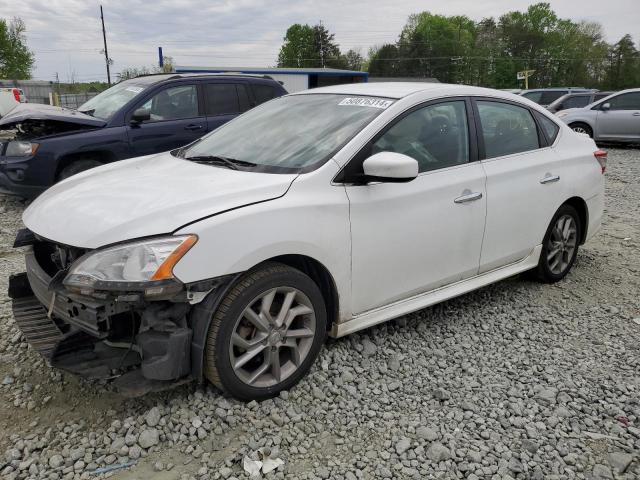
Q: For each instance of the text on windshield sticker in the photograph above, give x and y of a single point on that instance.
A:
(366, 102)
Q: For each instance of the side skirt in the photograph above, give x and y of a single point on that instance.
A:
(423, 300)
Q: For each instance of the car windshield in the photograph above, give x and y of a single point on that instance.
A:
(105, 104)
(289, 133)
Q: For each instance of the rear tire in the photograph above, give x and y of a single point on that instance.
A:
(77, 167)
(266, 333)
(560, 245)
(579, 127)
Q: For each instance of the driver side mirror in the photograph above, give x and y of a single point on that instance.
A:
(141, 115)
(605, 106)
(389, 167)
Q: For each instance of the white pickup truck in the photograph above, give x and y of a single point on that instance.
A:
(9, 98)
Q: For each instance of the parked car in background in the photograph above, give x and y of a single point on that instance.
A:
(141, 116)
(546, 96)
(576, 100)
(615, 118)
(9, 98)
(329, 210)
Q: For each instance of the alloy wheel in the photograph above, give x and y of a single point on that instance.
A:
(272, 337)
(561, 245)
(580, 129)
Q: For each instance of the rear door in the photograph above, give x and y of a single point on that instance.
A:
(524, 181)
(176, 120)
(224, 101)
(622, 120)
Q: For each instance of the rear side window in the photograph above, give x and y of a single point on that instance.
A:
(551, 96)
(506, 129)
(222, 99)
(549, 127)
(577, 101)
(263, 93)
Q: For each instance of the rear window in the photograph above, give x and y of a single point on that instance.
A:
(263, 93)
(549, 127)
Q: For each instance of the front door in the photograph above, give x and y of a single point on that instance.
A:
(622, 120)
(175, 121)
(408, 238)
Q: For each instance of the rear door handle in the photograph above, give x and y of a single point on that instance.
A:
(468, 197)
(193, 126)
(550, 179)
(637, 114)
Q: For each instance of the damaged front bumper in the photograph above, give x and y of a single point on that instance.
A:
(141, 344)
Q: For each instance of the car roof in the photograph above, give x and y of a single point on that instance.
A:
(161, 77)
(399, 90)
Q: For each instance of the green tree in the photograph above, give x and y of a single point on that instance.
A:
(308, 46)
(383, 61)
(16, 60)
(354, 60)
(624, 69)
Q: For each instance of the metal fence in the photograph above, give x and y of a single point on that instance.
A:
(36, 91)
(74, 100)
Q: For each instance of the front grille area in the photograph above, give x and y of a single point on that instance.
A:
(53, 257)
(39, 331)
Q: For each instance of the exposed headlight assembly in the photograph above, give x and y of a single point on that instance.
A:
(146, 265)
(561, 114)
(21, 149)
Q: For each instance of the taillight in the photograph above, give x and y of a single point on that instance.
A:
(601, 157)
(16, 94)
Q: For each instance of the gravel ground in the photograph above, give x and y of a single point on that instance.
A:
(515, 381)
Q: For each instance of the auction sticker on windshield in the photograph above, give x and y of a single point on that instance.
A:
(366, 102)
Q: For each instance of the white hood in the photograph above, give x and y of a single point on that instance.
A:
(144, 196)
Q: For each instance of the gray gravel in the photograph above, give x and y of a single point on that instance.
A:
(515, 381)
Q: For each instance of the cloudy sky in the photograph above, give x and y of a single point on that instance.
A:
(66, 38)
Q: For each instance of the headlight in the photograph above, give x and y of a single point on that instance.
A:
(21, 149)
(561, 114)
(136, 265)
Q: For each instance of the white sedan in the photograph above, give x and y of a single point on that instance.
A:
(322, 212)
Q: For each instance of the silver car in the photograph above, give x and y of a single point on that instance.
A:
(615, 118)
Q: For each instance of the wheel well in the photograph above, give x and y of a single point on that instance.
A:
(581, 123)
(581, 207)
(321, 276)
(100, 156)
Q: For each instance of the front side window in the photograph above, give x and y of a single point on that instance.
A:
(506, 129)
(173, 103)
(437, 136)
(290, 133)
(626, 101)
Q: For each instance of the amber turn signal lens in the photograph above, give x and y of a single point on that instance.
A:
(165, 271)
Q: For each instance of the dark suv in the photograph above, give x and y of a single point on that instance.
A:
(42, 144)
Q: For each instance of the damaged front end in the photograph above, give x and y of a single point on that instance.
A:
(138, 334)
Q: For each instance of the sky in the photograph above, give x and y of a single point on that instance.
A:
(66, 35)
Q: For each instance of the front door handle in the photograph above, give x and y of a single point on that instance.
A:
(193, 126)
(636, 114)
(468, 197)
(550, 179)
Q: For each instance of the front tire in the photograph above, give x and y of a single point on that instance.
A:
(560, 245)
(266, 333)
(579, 127)
(77, 167)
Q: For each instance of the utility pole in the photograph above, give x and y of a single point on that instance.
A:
(321, 49)
(106, 53)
